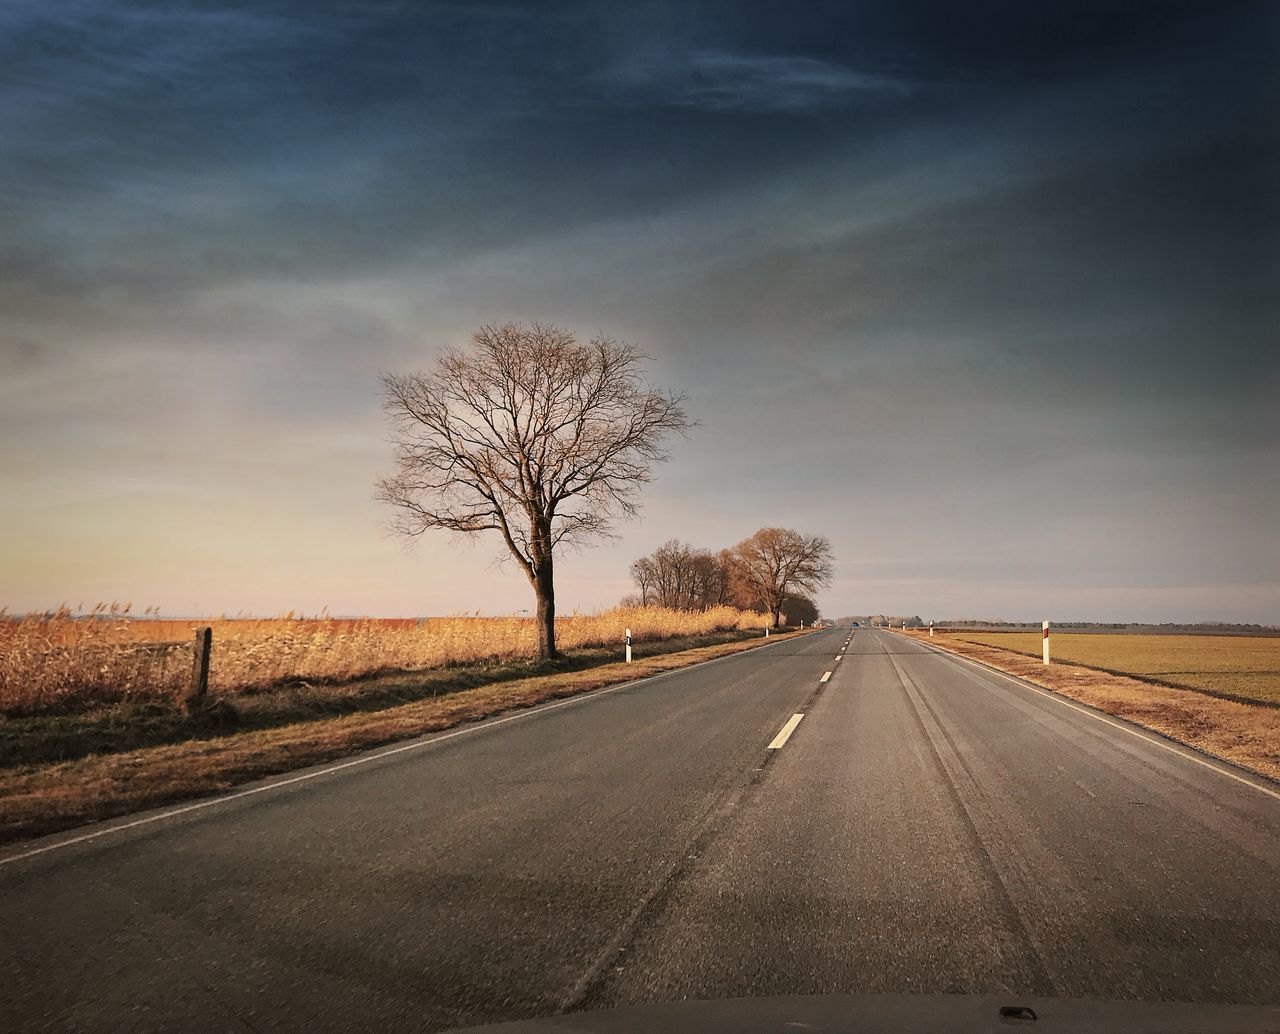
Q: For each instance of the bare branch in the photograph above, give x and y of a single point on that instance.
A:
(778, 564)
(528, 433)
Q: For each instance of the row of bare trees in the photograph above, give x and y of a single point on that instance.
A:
(679, 576)
(776, 571)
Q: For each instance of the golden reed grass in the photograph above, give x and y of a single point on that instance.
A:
(58, 661)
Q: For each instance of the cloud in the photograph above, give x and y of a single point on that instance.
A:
(715, 80)
(1015, 317)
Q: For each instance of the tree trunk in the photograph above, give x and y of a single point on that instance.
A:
(777, 616)
(545, 591)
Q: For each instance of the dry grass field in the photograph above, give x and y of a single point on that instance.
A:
(58, 663)
(1243, 668)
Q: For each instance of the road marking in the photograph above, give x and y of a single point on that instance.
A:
(365, 759)
(1146, 736)
(785, 732)
(825, 677)
(839, 655)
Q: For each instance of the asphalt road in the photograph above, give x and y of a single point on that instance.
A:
(928, 826)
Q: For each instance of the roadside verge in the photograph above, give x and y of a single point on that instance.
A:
(1247, 735)
(48, 798)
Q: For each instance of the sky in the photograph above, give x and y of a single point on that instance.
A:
(985, 293)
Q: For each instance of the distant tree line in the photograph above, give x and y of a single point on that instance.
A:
(775, 571)
(896, 620)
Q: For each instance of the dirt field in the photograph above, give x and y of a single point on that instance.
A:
(1242, 668)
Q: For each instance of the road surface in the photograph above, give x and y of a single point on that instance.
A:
(927, 826)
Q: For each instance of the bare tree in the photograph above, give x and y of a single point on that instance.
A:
(778, 562)
(530, 434)
(705, 580)
(644, 575)
(737, 589)
(672, 563)
(679, 576)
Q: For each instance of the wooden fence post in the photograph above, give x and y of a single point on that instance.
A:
(200, 665)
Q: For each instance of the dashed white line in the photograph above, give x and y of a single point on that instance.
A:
(825, 677)
(785, 732)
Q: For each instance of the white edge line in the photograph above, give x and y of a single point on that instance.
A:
(1146, 735)
(416, 744)
(785, 732)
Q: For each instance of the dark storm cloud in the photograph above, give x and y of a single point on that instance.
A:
(717, 81)
(263, 139)
(1047, 231)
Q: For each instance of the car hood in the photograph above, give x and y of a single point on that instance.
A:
(891, 1014)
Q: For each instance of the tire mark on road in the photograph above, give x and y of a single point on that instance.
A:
(1017, 932)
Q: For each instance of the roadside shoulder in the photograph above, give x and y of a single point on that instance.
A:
(49, 798)
(1244, 735)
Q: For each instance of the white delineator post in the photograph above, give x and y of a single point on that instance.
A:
(1044, 638)
(766, 631)
(628, 646)
(930, 629)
